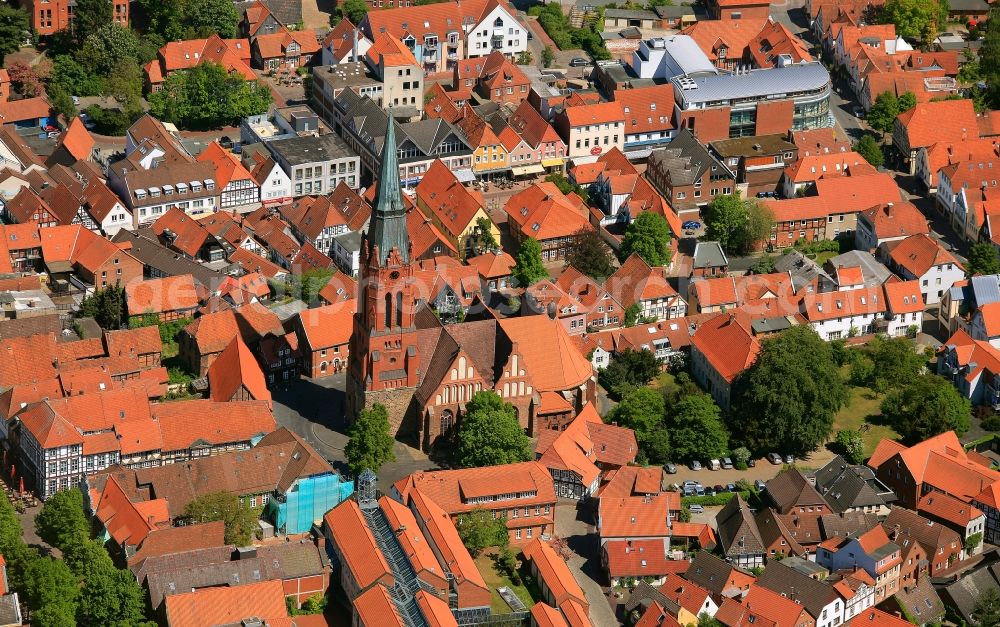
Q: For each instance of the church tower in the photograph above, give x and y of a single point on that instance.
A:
(383, 356)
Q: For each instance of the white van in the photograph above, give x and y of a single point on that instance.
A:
(713, 464)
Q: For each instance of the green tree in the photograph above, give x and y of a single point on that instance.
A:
(983, 259)
(62, 521)
(696, 429)
(479, 530)
(589, 254)
(165, 19)
(628, 369)
(524, 57)
(787, 399)
(633, 315)
(486, 240)
(107, 306)
(49, 585)
(548, 56)
(986, 611)
(111, 596)
(54, 615)
(738, 224)
(649, 237)
(566, 186)
(641, 410)
(62, 103)
(907, 101)
(852, 445)
(916, 19)
(490, 434)
(371, 443)
(213, 16)
(882, 114)
(925, 407)
(109, 45)
(764, 265)
(240, 522)
(89, 16)
(528, 268)
(894, 362)
(14, 25)
(972, 543)
(73, 77)
(355, 10)
(870, 149)
(989, 59)
(704, 620)
(741, 457)
(206, 96)
(315, 604)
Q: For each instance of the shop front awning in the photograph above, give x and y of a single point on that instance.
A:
(521, 170)
(465, 175)
(553, 163)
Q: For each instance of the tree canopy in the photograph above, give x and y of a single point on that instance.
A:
(989, 59)
(191, 19)
(887, 107)
(240, 522)
(886, 363)
(14, 25)
(589, 254)
(628, 369)
(696, 429)
(787, 399)
(106, 306)
(738, 224)
(649, 237)
(852, 445)
(528, 268)
(870, 149)
(479, 530)
(62, 520)
(371, 443)
(355, 10)
(916, 19)
(206, 97)
(986, 611)
(490, 434)
(926, 406)
(983, 259)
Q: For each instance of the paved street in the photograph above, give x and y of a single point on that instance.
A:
(575, 527)
(314, 408)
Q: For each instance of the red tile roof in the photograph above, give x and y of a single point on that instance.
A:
(727, 343)
(553, 360)
(227, 605)
(600, 113)
(440, 194)
(944, 120)
(328, 326)
(899, 219)
(873, 617)
(183, 423)
(77, 140)
(227, 166)
(552, 570)
(451, 489)
(837, 195)
(174, 293)
(734, 35)
(647, 109)
(236, 367)
(636, 558)
(361, 553)
(633, 517)
(179, 540)
(919, 253)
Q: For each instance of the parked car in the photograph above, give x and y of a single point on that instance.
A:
(713, 464)
(789, 459)
(696, 509)
(774, 458)
(696, 465)
(759, 484)
(226, 142)
(579, 62)
(691, 224)
(709, 491)
(674, 487)
(670, 469)
(699, 490)
(690, 487)
(727, 463)
(730, 487)
(751, 462)
(719, 488)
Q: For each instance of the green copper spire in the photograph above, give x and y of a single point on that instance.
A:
(387, 229)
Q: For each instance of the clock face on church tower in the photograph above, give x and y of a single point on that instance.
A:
(394, 275)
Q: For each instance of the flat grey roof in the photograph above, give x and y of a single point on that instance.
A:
(345, 75)
(753, 84)
(310, 149)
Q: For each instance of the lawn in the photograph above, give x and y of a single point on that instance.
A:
(863, 405)
(824, 256)
(495, 579)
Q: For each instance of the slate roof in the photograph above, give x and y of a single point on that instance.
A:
(685, 158)
(790, 489)
(738, 530)
(813, 595)
(845, 486)
(964, 593)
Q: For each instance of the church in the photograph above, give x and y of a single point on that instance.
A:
(422, 371)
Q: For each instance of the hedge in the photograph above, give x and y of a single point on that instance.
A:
(719, 499)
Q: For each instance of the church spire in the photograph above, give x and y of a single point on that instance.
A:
(388, 222)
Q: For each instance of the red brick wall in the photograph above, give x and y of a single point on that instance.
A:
(131, 270)
(315, 361)
(302, 588)
(775, 116)
(759, 12)
(709, 124)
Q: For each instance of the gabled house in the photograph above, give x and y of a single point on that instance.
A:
(455, 209)
(887, 223)
(739, 536)
(791, 492)
(872, 551)
(850, 488)
(237, 187)
(819, 599)
(721, 349)
(635, 283)
(943, 547)
(546, 214)
(688, 175)
(922, 258)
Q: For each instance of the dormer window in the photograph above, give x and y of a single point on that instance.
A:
(209, 184)
(498, 23)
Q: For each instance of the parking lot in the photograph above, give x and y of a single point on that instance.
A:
(763, 470)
